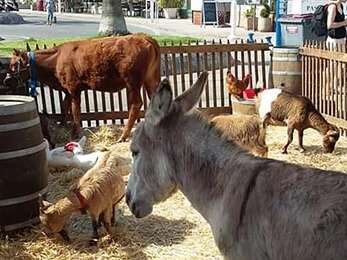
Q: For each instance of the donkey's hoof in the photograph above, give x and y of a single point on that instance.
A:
(284, 151)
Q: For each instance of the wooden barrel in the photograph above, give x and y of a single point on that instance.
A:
(23, 163)
(243, 107)
(286, 69)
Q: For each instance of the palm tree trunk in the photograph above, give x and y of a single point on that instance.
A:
(112, 19)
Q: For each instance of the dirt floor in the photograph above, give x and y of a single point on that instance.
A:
(174, 230)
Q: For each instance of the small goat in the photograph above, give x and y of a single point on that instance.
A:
(98, 192)
(245, 130)
(297, 112)
(235, 86)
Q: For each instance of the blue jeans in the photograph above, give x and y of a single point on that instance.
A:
(50, 15)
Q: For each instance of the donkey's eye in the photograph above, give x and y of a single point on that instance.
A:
(134, 153)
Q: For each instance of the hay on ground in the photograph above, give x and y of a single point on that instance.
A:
(174, 230)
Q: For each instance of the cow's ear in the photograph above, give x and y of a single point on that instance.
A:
(188, 99)
(160, 103)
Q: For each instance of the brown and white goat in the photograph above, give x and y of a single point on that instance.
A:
(297, 112)
(245, 130)
(98, 192)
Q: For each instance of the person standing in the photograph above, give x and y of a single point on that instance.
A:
(336, 23)
(50, 11)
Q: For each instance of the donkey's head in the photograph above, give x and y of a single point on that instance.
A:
(153, 147)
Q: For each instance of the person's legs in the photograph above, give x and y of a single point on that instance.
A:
(50, 16)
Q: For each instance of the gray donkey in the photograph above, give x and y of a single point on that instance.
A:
(258, 209)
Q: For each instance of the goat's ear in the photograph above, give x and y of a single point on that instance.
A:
(188, 99)
(43, 203)
(333, 135)
(160, 103)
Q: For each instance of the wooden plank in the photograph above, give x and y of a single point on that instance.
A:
(214, 87)
(320, 86)
(51, 97)
(43, 96)
(183, 83)
(214, 48)
(207, 89)
(249, 55)
(95, 99)
(166, 63)
(256, 68)
(112, 105)
(86, 99)
(120, 105)
(174, 73)
(242, 62)
(221, 76)
(103, 103)
(325, 54)
(263, 68)
(190, 68)
(198, 69)
(325, 82)
(316, 82)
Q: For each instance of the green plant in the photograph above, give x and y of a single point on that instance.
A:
(265, 12)
(171, 3)
(250, 12)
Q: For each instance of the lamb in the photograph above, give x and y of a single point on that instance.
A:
(245, 130)
(235, 86)
(98, 192)
(296, 112)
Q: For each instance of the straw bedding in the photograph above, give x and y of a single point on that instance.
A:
(174, 230)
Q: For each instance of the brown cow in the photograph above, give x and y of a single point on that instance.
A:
(105, 64)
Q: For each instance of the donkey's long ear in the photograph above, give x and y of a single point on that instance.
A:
(160, 103)
(190, 97)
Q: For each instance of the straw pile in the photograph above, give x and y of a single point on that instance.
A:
(174, 230)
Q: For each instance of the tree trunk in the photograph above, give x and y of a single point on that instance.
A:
(112, 19)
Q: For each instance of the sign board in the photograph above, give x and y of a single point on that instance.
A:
(306, 6)
(209, 12)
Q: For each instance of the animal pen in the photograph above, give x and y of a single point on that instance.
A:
(181, 64)
(324, 82)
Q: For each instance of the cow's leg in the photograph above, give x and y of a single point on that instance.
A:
(66, 108)
(290, 131)
(76, 114)
(135, 104)
(300, 136)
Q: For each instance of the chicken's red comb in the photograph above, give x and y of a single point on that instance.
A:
(70, 146)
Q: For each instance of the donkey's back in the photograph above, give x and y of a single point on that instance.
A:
(285, 212)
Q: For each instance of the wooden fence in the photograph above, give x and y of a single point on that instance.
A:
(181, 64)
(324, 72)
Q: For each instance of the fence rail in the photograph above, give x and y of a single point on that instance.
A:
(324, 72)
(182, 64)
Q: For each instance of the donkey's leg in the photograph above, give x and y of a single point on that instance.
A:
(135, 104)
(76, 114)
